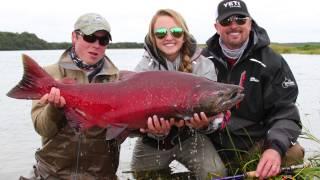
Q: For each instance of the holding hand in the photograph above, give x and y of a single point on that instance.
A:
(53, 98)
(269, 164)
(213, 123)
(157, 126)
(198, 121)
(162, 127)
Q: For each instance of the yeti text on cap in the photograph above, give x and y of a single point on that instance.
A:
(232, 4)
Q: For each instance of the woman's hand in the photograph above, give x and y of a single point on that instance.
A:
(202, 122)
(157, 126)
(198, 121)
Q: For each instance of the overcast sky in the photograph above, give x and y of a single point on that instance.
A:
(53, 20)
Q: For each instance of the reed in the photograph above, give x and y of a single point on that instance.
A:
(248, 161)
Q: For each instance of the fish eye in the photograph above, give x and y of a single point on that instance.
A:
(234, 95)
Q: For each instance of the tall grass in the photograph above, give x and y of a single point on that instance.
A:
(313, 162)
(310, 169)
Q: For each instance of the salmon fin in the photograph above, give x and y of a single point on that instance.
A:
(35, 81)
(124, 75)
(77, 118)
(115, 130)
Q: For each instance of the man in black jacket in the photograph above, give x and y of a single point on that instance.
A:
(268, 117)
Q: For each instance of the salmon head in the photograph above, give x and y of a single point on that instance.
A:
(217, 97)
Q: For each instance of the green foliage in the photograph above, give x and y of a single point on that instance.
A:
(26, 41)
(125, 45)
(29, 41)
(297, 48)
(247, 161)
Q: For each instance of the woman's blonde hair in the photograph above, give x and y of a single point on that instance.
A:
(185, 50)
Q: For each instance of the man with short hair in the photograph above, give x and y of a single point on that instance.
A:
(268, 117)
(66, 152)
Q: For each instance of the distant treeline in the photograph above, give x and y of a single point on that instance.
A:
(26, 41)
(29, 41)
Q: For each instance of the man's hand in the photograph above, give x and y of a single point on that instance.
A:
(53, 98)
(269, 164)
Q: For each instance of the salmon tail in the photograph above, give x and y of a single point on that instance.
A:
(35, 81)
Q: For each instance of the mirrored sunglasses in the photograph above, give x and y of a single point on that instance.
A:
(240, 20)
(103, 41)
(176, 32)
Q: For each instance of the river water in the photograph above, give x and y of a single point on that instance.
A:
(19, 141)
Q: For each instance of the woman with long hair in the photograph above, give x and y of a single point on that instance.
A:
(170, 47)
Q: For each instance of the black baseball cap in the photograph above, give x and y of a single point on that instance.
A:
(228, 8)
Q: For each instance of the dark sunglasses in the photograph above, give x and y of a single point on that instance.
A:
(103, 41)
(240, 20)
(176, 32)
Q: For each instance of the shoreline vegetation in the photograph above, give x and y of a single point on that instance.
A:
(28, 41)
(10, 41)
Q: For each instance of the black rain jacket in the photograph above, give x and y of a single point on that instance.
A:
(268, 111)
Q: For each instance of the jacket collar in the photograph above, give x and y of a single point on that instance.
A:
(258, 38)
(108, 69)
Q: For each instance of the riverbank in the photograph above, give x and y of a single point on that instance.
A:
(28, 41)
(296, 48)
(293, 48)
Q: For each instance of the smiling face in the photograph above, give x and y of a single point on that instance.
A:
(90, 53)
(169, 45)
(234, 35)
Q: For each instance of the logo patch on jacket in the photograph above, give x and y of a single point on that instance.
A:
(253, 79)
(288, 83)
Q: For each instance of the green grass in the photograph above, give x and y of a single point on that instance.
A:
(248, 162)
(296, 48)
(312, 164)
(292, 48)
(310, 169)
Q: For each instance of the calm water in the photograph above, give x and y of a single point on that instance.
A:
(18, 140)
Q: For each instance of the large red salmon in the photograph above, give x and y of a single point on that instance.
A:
(127, 103)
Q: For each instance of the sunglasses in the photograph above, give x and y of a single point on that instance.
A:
(103, 41)
(240, 20)
(176, 32)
